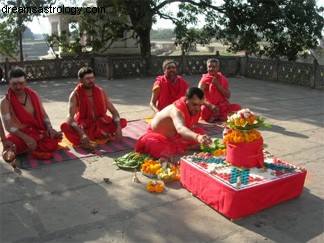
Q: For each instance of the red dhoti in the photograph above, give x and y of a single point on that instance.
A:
(157, 145)
(100, 128)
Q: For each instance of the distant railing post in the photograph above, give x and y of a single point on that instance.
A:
(184, 64)
(110, 69)
(246, 59)
(277, 69)
(7, 69)
(313, 74)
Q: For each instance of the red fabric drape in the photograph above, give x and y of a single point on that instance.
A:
(182, 106)
(35, 126)
(215, 97)
(169, 92)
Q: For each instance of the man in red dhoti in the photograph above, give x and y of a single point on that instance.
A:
(25, 119)
(168, 87)
(173, 129)
(217, 94)
(87, 119)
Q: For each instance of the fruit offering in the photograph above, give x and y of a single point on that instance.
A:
(155, 186)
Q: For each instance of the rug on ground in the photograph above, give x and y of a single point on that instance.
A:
(131, 133)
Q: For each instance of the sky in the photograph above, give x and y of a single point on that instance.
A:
(41, 25)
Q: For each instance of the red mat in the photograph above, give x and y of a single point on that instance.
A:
(131, 133)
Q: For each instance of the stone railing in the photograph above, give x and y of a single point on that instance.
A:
(304, 74)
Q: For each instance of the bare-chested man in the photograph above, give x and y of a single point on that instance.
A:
(25, 119)
(173, 130)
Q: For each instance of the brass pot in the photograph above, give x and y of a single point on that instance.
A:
(8, 156)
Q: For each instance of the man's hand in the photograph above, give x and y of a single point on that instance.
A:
(204, 140)
(7, 144)
(52, 133)
(85, 141)
(31, 143)
(119, 134)
(213, 108)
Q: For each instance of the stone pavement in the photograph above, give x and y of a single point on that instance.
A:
(70, 202)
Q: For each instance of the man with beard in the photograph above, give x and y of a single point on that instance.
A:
(87, 119)
(168, 87)
(25, 119)
(173, 129)
(217, 93)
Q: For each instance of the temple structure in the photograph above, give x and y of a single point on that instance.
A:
(60, 24)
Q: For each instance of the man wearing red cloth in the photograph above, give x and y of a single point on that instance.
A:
(173, 130)
(87, 119)
(168, 87)
(217, 94)
(25, 119)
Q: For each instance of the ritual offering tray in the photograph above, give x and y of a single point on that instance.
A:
(239, 191)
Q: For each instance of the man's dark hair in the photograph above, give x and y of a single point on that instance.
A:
(16, 72)
(195, 91)
(83, 71)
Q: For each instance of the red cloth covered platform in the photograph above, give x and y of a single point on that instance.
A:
(211, 182)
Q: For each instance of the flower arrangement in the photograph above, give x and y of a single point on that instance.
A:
(244, 143)
(245, 119)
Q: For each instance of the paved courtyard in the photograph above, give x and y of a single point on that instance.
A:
(70, 202)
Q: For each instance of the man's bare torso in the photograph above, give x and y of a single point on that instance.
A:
(163, 123)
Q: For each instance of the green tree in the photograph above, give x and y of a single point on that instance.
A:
(12, 22)
(285, 27)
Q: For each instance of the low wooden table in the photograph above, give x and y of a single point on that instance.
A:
(256, 189)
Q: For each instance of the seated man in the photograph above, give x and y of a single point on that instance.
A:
(168, 87)
(87, 119)
(25, 119)
(173, 130)
(216, 89)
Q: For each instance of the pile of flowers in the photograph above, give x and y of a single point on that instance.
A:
(154, 169)
(155, 186)
(150, 167)
(241, 136)
(245, 119)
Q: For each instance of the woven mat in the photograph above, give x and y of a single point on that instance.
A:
(131, 133)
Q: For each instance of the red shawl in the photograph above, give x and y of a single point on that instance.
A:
(182, 106)
(22, 115)
(169, 92)
(84, 116)
(212, 94)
